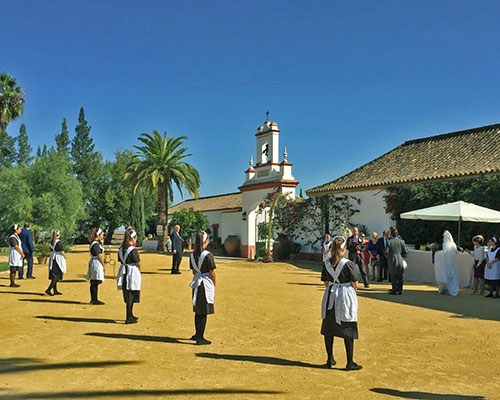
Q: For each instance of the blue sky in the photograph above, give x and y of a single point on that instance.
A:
(346, 81)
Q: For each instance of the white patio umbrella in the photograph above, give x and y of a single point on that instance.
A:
(457, 211)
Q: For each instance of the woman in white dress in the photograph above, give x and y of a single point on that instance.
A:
(445, 267)
(492, 270)
(95, 273)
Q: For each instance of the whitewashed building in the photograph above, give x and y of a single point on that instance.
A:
(240, 213)
(451, 156)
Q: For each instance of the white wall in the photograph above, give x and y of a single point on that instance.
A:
(214, 217)
(371, 210)
(231, 225)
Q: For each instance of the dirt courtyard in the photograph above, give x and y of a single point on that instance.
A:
(265, 333)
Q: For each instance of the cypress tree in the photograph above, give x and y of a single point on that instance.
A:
(44, 151)
(62, 139)
(24, 153)
(38, 152)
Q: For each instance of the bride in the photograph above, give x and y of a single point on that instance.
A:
(445, 267)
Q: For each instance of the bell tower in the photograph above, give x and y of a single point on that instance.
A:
(268, 175)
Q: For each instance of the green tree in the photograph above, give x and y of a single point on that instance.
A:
(62, 139)
(56, 193)
(191, 222)
(137, 218)
(159, 164)
(38, 152)
(15, 202)
(12, 102)
(91, 172)
(117, 194)
(24, 153)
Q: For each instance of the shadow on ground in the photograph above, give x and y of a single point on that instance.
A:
(464, 305)
(78, 319)
(258, 360)
(131, 394)
(22, 293)
(425, 395)
(14, 365)
(54, 301)
(146, 338)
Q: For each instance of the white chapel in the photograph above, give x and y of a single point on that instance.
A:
(238, 214)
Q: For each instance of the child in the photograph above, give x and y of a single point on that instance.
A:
(57, 263)
(16, 254)
(492, 270)
(479, 255)
(129, 274)
(95, 273)
(203, 284)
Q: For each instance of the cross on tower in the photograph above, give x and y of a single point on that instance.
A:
(267, 115)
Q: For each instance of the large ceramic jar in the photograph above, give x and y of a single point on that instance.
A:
(232, 245)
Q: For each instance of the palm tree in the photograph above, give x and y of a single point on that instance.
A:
(11, 100)
(11, 107)
(159, 164)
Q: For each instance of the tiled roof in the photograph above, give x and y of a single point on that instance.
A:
(212, 203)
(455, 155)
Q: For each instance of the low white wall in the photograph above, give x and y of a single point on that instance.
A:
(231, 225)
(150, 244)
(421, 269)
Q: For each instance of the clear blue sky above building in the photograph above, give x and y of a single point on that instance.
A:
(346, 81)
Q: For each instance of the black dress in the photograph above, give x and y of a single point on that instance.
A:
(329, 327)
(130, 296)
(55, 274)
(202, 307)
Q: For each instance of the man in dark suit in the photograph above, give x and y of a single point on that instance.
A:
(26, 237)
(396, 250)
(381, 246)
(355, 245)
(177, 242)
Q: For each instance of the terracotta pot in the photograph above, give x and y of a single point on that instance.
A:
(280, 247)
(232, 246)
(42, 260)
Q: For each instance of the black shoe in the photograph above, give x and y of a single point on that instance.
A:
(131, 321)
(175, 272)
(488, 295)
(330, 363)
(353, 367)
(194, 337)
(97, 303)
(31, 277)
(367, 285)
(202, 341)
(14, 285)
(391, 292)
(20, 277)
(49, 293)
(57, 293)
(136, 318)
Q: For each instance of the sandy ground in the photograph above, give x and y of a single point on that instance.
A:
(266, 340)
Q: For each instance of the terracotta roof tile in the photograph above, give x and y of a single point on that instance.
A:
(212, 203)
(453, 155)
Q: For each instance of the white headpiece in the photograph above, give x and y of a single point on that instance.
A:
(99, 231)
(133, 234)
(343, 243)
(56, 231)
(205, 236)
(15, 227)
(494, 239)
(448, 242)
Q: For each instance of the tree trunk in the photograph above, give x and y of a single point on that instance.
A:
(162, 215)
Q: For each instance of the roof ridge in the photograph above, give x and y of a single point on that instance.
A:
(450, 134)
(208, 197)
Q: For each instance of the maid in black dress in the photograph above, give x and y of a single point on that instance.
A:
(339, 309)
(57, 263)
(129, 274)
(95, 273)
(202, 264)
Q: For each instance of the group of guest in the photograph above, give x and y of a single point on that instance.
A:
(486, 266)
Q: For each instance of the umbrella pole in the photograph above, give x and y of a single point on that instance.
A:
(459, 220)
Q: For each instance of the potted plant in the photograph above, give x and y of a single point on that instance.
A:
(293, 249)
(42, 252)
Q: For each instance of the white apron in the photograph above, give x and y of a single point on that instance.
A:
(342, 295)
(200, 278)
(493, 273)
(15, 258)
(96, 269)
(129, 270)
(60, 259)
